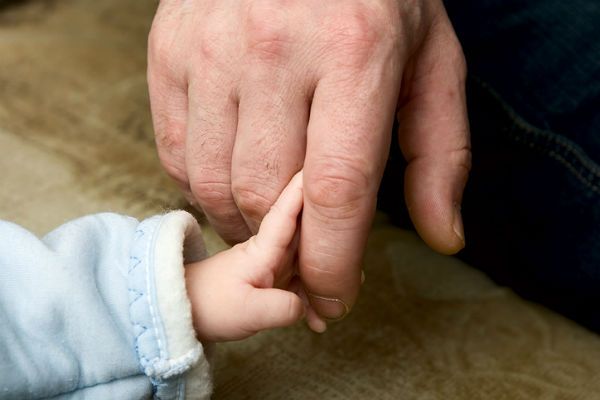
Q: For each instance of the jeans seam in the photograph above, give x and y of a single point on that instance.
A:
(543, 141)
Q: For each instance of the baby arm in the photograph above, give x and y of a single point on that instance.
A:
(235, 294)
(99, 307)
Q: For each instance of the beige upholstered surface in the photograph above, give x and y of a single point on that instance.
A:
(75, 138)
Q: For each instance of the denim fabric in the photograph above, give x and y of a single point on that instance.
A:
(542, 57)
(532, 205)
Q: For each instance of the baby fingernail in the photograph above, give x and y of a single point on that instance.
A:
(329, 308)
(318, 326)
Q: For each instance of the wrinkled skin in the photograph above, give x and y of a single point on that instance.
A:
(234, 294)
(245, 93)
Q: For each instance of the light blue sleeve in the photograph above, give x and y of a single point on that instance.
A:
(97, 309)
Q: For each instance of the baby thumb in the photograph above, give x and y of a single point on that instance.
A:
(272, 308)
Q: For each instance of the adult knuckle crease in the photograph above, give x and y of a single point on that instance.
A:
(210, 193)
(252, 201)
(338, 195)
(319, 270)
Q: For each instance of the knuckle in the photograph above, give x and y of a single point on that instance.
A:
(169, 133)
(165, 64)
(170, 142)
(338, 189)
(213, 43)
(212, 195)
(159, 48)
(253, 200)
(462, 158)
(210, 48)
(268, 34)
(461, 65)
(357, 32)
(457, 58)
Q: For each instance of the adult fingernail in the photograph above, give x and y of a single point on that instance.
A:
(329, 308)
(457, 224)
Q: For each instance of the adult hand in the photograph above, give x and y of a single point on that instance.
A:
(245, 93)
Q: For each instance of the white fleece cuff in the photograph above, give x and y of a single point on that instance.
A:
(179, 242)
(160, 309)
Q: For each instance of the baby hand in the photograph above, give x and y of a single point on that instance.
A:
(233, 293)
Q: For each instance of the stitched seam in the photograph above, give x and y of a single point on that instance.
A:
(139, 295)
(137, 236)
(149, 287)
(575, 172)
(580, 159)
(137, 262)
(571, 166)
(158, 367)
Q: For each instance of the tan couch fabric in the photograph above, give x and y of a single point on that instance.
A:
(76, 138)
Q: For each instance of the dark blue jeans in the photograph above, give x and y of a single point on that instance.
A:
(532, 205)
